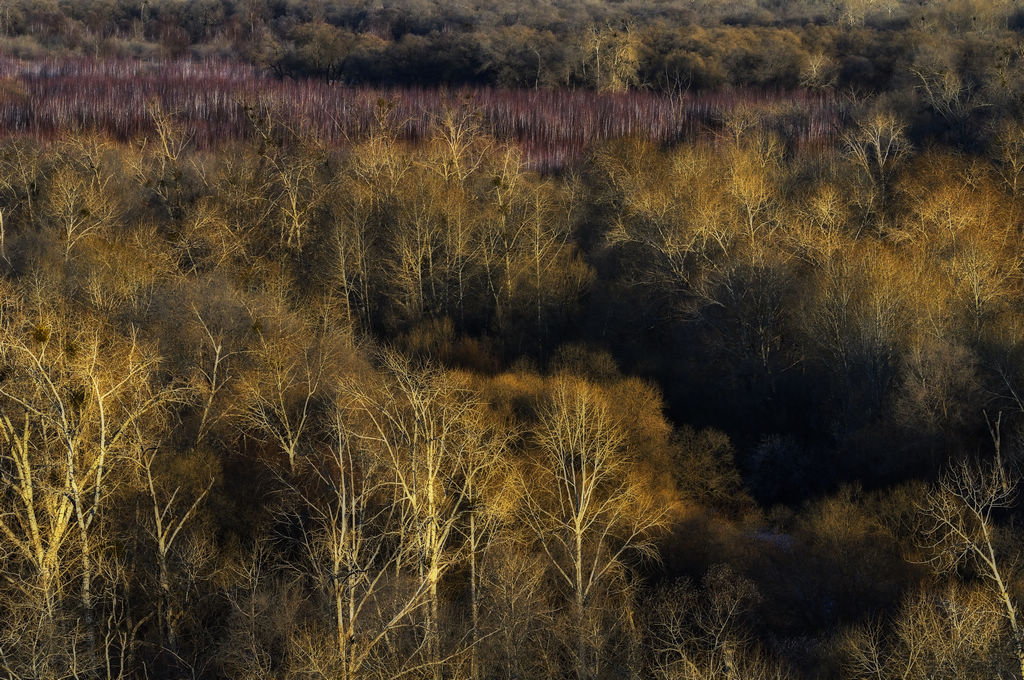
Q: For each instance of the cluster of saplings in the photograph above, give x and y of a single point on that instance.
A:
(286, 411)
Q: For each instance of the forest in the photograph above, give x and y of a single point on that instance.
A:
(380, 340)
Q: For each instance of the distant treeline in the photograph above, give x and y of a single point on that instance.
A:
(874, 45)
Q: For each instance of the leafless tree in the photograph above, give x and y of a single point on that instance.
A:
(351, 552)
(962, 531)
(168, 521)
(215, 371)
(588, 511)
(427, 427)
(876, 146)
(945, 633)
(75, 408)
(700, 634)
(282, 394)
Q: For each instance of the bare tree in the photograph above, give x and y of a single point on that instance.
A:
(87, 407)
(352, 207)
(701, 634)
(489, 498)
(1009, 143)
(292, 162)
(612, 55)
(586, 508)
(876, 146)
(215, 371)
(20, 165)
(459, 146)
(416, 251)
(516, 613)
(506, 233)
(345, 491)
(282, 395)
(258, 602)
(76, 406)
(819, 72)
(948, 634)
(426, 426)
(158, 160)
(298, 191)
(944, 89)
(167, 525)
(962, 532)
(41, 522)
(79, 206)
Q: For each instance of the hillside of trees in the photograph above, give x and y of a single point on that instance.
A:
(314, 371)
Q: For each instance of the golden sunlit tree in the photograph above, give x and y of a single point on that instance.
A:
(590, 514)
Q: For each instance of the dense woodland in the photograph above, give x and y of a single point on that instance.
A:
(416, 390)
(671, 45)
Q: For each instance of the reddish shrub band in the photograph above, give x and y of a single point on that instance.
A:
(554, 127)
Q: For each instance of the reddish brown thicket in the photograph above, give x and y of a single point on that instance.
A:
(554, 127)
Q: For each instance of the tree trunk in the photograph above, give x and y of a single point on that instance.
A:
(167, 614)
(474, 671)
(582, 666)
